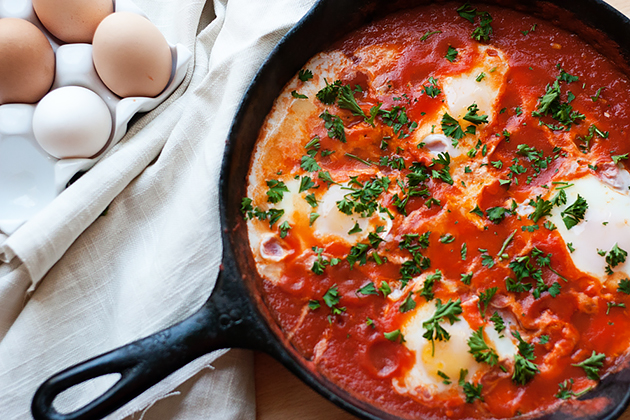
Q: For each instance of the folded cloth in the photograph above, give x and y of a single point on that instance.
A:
(134, 245)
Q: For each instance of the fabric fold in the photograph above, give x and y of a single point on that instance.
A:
(94, 280)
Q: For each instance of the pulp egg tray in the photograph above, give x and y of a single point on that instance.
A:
(30, 178)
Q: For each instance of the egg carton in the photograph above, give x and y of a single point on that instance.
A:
(30, 178)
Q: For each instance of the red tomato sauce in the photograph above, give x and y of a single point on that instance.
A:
(350, 347)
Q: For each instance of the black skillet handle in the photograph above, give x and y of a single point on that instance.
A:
(225, 320)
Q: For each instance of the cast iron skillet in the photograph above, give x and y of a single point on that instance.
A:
(235, 315)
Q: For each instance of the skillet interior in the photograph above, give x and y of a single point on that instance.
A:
(326, 22)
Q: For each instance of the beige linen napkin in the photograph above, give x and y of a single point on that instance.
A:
(74, 285)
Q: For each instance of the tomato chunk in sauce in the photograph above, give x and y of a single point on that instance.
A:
(438, 209)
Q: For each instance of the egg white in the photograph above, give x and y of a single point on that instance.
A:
(450, 357)
(606, 223)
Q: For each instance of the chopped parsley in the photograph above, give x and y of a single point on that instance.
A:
(451, 54)
(447, 312)
(473, 392)
(565, 390)
(306, 183)
(466, 278)
(432, 90)
(309, 164)
(321, 262)
(573, 214)
(409, 304)
(624, 286)
(614, 305)
(615, 257)
(276, 190)
(395, 336)
(362, 198)
(368, 289)
(480, 349)
(355, 229)
(305, 75)
(314, 304)
(347, 101)
(447, 380)
(592, 365)
(331, 299)
(484, 300)
(551, 105)
(334, 125)
(429, 283)
(618, 158)
(284, 229)
(484, 30)
(524, 368)
(496, 214)
(428, 34)
(297, 95)
(473, 117)
(499, 324)
(328, 95)
(451, 127)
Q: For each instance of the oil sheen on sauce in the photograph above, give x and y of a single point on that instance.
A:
(441, 222)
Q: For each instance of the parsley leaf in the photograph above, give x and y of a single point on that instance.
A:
(499, 325)
(429, 282)
(306, 183)
(305, 75)
(524, 369)
(624, 286)
(428, 34)
(451, 127)
(276, 190)
(334, 125)
(368, 289)
(447, 312)
(394, 336)
(615, 257)
(284, 229)
(480, 349)
(484, 300)
(328, 95)
(472, 116)
(565, 390)
(297, 95)
(466, 278)
(321, 263)
(451, 54)
(313, 304)
(473, 392)
(432, 90)
(309, 164)
(332, 298)
(573, 214)
(409, 304)
(542, 208)
(496, 214)
(592, 365)
(347, 101)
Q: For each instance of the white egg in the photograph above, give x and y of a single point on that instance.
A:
(72, 122)
(332, 224)
(606, 223)
(449, 357)
(463, 90)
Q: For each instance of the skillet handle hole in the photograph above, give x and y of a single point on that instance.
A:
(80, 395)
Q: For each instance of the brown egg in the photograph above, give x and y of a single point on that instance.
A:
(72, 20)
(27, 62)
(131, 55)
